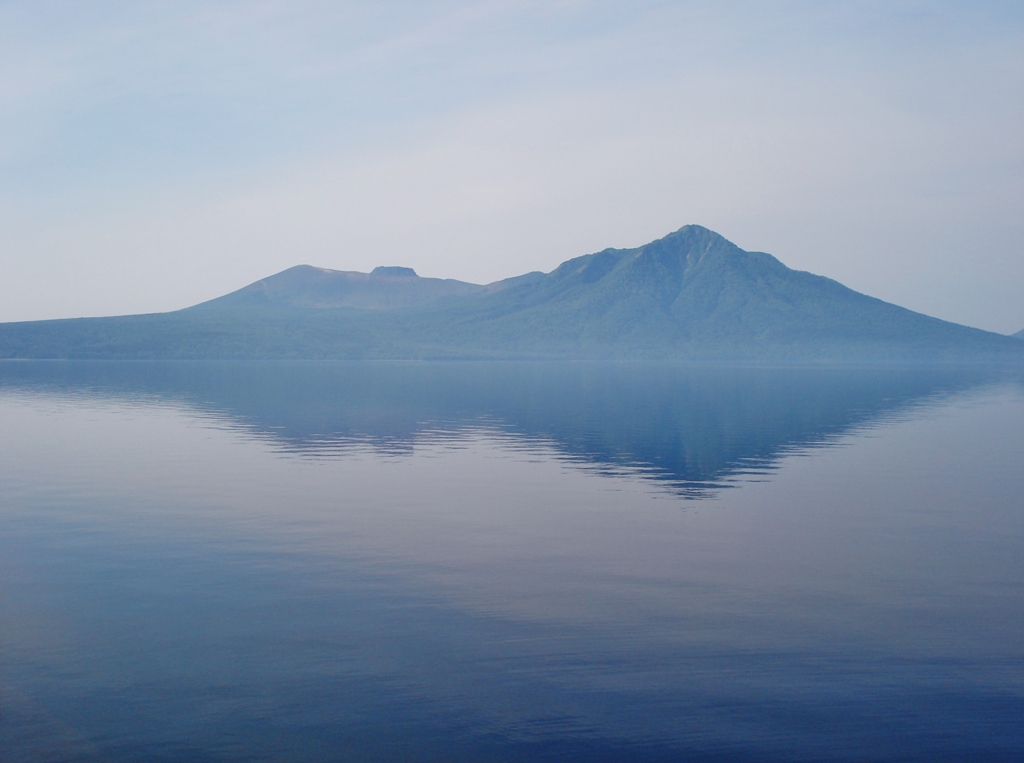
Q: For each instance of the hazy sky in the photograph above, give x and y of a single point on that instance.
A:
(156, 154)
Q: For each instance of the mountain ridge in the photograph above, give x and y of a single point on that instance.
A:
(387, 287)
(691, 295)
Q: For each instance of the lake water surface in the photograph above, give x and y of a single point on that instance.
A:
(510, 562)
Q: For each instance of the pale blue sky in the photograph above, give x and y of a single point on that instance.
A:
(156, 154)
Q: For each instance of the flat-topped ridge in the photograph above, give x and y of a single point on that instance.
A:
(392, 271)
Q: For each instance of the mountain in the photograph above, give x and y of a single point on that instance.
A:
(692, 295)
(304, 286)
(1019, 334)
(696, 294)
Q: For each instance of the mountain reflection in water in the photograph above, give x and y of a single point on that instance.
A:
(696, 428)
(501, 562)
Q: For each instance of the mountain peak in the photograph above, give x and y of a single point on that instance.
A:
(694, 235)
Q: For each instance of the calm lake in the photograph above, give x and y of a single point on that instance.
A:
(509, 562)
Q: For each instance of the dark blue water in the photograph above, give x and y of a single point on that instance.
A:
(510, 562)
